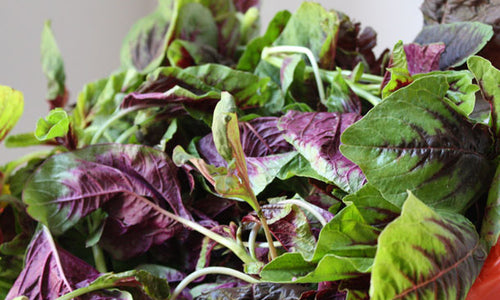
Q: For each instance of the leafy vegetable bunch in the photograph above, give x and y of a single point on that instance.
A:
(218, 163)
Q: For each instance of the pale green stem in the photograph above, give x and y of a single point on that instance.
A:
(252, 237)
(110, 121)
(238, 250)
(100, 261)
(266, 52)
(126, 134)
(86, 290)
(374, 100)
(312, 209)
(211, 270)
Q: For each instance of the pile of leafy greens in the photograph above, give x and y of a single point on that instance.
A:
(221, 163)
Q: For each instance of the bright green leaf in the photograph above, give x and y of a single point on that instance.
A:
(11, 109)
(56, 124)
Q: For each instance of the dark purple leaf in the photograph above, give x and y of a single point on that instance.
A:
(462, 40)
(450, 11)
(355, 46)
(316, 136)
(126, 181)
(50, 271)
(261, 291)
(423, 59)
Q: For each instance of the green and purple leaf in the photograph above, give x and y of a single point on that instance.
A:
(316, 136)
(425, 255)
(350, 256)
(145, 45)
(53, 68)
(490, 227)
(129, 182)
(289, 225)
(414, 140)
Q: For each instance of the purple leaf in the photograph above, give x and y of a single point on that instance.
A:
(129, 182)
(316, 136)
(50, 271)
(423, 59)
(259, 137)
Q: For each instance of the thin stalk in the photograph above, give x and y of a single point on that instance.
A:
(324, 74)
(238, 250)
(252, 237)
(99, 259)
(312, 209)
(358, 90)
(267, 232)
(126, 134)
(85, 290)
(110, 121)
(211, 270)
(266, 52)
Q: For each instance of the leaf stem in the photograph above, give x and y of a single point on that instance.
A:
(272, 250)
(110, 121)
(268, 51)
(312, 209)
(211, 270)
(85, 290)
(238, 250)
(252, 237)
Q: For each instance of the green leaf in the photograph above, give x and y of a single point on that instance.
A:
(224, 112)
(488, 79)
(313, 27)
(376, 210)
(353, 236)
(462, 92)
(424, 255)
(56, 124)
(414, 140)
(22, 140)
(292, 268)
(251, 57)
(52, 64)
(11, 109)
(462, 39)
(490, 227)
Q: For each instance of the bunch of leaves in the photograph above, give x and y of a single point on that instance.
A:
(232, 165)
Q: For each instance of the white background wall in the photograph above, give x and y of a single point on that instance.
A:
(90, 32)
